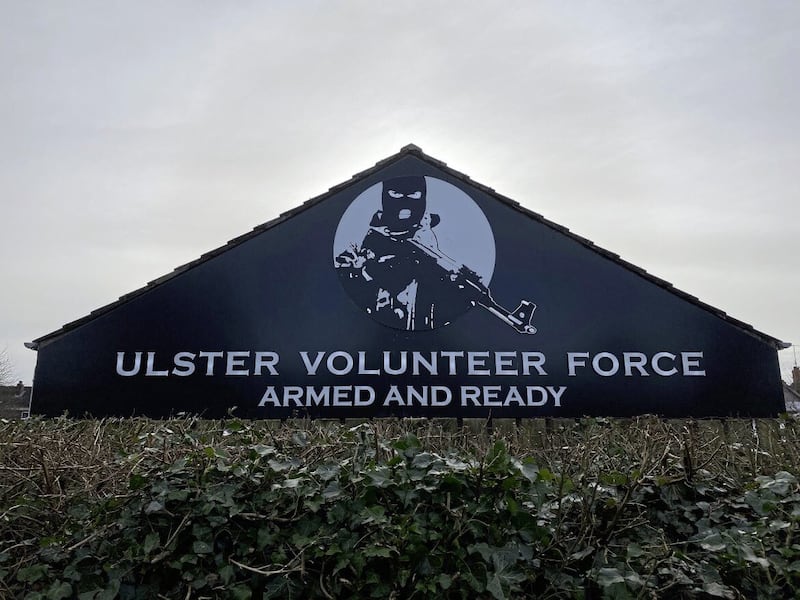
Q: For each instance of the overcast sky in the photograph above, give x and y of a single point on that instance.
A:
(134, 136)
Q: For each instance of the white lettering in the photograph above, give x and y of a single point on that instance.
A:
(635, 360)
(691, 361)
(436, 391)
(557, 393)
(535, 360)
(430, 365)
(270, 397)
(490, 395)
(348, 363)
(605, 372)
(470, 393)
(151, 370)
(504, 363)
(293, 393)
(184, 364)
(359, 390)
(316, 398)
(268, 360)
(387, 367)
(236, 363)
(476, 362)
(393, 396)
(210, 357)
(340, 393)
(513, 397)
(311, 367)
(421, 397)
(451, 358)
(657, 368)
(531, 389)
(137, 364)
(574, 361)
(362, 365)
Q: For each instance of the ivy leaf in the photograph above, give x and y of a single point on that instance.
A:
(373, 514)
(408, 445)
(545, 475)
(327, 472)
(484, 550)
(154, 507)
(241, 592)
(288, 484)
(313, 504)
(779, 484)
(262, 450)
(151, 542)
(445, 581)
(609, 576)
(379, 551)
(497, 460)
(59, 591)
(529, 469)
(422, 460)
(718, 590)
(494, 588)
(72, 573)
(300, 438)
(750, 556)
(712, 543)
(778, 525)
(379, 477)
(31, 574)
(617, 591)
(634, 551)
(581, 554)
(110, 591)
(332, 491)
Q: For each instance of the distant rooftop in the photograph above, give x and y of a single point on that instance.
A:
(15, 401)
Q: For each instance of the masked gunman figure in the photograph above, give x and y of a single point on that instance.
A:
(399, 275)
(395, 273)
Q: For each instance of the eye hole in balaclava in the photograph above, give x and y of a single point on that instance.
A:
(403, 203)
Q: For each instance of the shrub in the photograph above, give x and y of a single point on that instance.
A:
(588, 509)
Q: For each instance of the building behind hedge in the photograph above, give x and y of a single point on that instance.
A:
(15, 401)
(408, 290)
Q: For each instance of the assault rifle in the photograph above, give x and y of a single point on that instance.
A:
(465, 278)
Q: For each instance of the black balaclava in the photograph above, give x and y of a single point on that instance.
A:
(403, 203)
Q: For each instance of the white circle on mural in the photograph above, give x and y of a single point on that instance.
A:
(409, 256)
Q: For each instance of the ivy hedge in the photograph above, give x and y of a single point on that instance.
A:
(588, 509)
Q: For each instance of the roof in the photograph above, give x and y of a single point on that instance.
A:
(14, 401)
(791, 398)
(407, 150)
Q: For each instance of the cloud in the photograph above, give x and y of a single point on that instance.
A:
(137, 136)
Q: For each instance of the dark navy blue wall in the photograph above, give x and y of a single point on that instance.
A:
(278, 291)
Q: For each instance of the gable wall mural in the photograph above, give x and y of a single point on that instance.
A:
(409, 291)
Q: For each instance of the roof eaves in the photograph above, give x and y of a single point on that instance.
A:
(791, 390)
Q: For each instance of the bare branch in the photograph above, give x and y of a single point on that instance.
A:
(6, 368)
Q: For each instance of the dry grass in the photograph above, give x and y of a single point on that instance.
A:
(52, 459)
